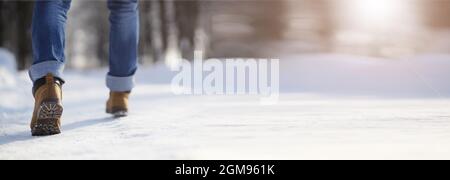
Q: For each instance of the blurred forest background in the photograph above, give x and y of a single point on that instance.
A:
(244, 28)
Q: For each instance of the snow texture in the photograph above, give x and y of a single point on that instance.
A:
(331, 107)
(7, 68)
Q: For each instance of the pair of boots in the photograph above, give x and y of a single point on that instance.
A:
(48, 108)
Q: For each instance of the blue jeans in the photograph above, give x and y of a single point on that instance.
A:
(48, 41)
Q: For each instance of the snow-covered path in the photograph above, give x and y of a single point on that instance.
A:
(164, 126)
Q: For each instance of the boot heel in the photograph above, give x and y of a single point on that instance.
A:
(48, 115)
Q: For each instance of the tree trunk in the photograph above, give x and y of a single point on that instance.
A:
(187, 23)
(24, 51)
(1, 23)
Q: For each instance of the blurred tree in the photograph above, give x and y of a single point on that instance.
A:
(187, 13)
(168, 24)
(146, 38)
(152, 42)
(242, 28)
(326, 25)
(1, 23)
(436, 13)
(15, 35)
(24, 17)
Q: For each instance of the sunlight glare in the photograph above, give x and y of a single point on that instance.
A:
(374, 13)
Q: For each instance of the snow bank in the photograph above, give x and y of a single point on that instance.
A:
(420, 76)
(14, 86)
(424, 76)
(8, 69)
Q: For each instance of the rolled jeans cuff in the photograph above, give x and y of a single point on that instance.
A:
(40, 70)
(120, 84)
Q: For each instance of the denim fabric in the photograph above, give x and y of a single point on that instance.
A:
(48, 41)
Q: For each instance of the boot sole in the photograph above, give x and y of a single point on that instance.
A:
(49, 114)
(118, 113)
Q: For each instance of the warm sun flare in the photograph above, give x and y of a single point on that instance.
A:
(378, 10)
(373, 13)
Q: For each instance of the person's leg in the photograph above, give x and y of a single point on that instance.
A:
(123, 49)
(48, 38)
(123, 55)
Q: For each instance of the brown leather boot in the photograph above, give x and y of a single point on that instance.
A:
(47, 108)
(117, 104)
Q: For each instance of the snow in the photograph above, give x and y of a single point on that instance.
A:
(7, 68)
(331, 107)
(422, 76)
(10, 94)
(7, 60)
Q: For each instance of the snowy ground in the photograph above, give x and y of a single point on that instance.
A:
(327, 111)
